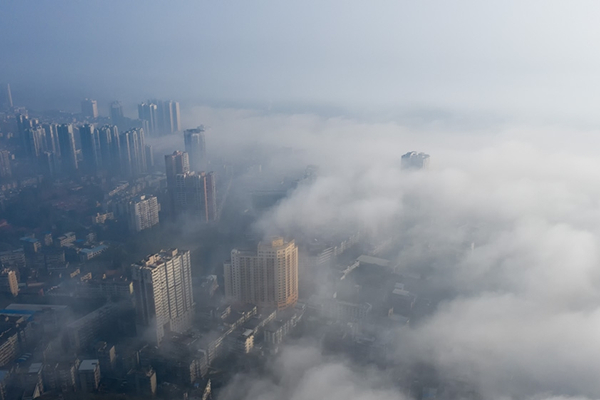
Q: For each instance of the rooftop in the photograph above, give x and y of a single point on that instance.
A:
(88, 365)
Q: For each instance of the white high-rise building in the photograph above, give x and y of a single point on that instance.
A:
(163, 293)
(143, 213)
(267, 278)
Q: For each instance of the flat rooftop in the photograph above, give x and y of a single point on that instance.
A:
(88, 365)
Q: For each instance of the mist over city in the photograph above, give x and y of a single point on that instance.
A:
(299, 200)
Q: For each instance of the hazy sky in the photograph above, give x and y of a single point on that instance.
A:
(502, 58)
(523, 320)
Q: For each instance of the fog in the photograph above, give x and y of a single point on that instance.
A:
(504, 225)
(428, 60)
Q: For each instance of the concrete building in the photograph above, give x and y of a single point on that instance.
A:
(143, 213)
(65, 240)
(414, 160)
(176, 164)
(68, 151)
(195, 194)
(107, 356)
(9, 283)
(6, 101)
(133, 152)
(89, 108)
(195, 146)
(116, 112)
(143, 382)
(13, 258)
(90, 149)
(89, 375)
(163, 293)
(83, 332)
(267, 278)
(5, 164)
(148, 112)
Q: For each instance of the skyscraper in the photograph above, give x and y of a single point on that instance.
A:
(194, 194)
(163, 293)
(414, 160)
(167, 116)
(148, 112)
(89, 108)
(195, 146)
(116, 112)
(143, 213)
(267, 278)
(34, 141)
(6, 101)
(90, 149)
(68, 151)
(133, 152)
(176, 163)
(110, 149)
(5, 168)
(51, 137)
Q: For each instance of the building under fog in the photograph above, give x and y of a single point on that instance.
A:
(414, 160)
(163, 293)
(267, 277)
(195, 146)
(143, 212)
(89, 108)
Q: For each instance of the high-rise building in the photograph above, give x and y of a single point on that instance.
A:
(35, 139)
(90, 149)
(133, 152)
(149, 158)
(414, 160)
(110, 148)
(167, 116)
(49, 163)
(6, 101)
(266, 278)
(89, 108)
(194, 194)
(9, 282)
(163, 293)
(51, 137)
(68, 151)
(5, 167)
(116, 112)
(143, 213)
(195, 146)
(149, 112)
(176, 163)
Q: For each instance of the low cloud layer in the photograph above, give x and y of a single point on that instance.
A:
(506, 225)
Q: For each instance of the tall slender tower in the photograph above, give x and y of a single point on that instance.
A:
(6, 101)
(35, 139)
(176, 163)
(163, 293)
(149, 112)
(68, 151)
(194, 193)
(116, 112)
(90, 148)
(133, 152)
(108, 138)
(267, 278)
(5, 167)
(195, 146)
(89, 108)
